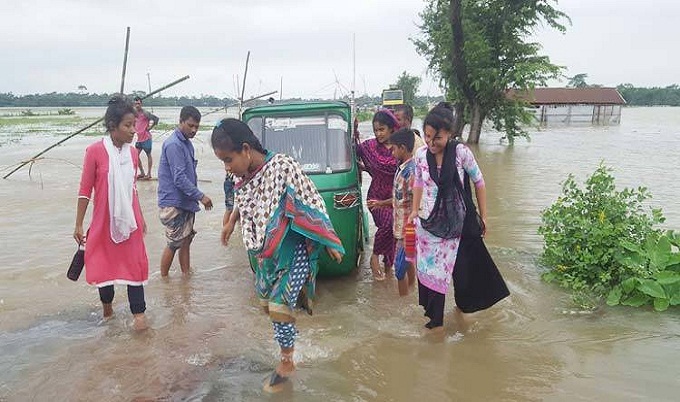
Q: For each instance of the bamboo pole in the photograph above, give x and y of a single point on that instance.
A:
(259, 96)
(225, 107)
(245, 75)
(127, 46)
(24, 163)
(163, 88)
(243, 89)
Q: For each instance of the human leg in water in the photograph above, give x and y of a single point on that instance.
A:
(284, 333)
(284, 324)
(378, 274)
(137, 307)
(106, 294)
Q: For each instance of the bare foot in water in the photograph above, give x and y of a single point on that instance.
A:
(107, 311)
(286, 368)
(139, 322)
(279, 378)
(435, 334)
(378, 274)
(463, 321)
(389, 272)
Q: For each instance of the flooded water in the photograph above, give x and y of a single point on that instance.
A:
(210, 342)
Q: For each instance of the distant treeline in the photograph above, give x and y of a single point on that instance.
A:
(73, 99)
(668, 96)
(634, 96)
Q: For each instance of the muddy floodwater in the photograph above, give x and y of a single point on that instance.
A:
(209, 342)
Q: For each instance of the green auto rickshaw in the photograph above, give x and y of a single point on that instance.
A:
(319, 136)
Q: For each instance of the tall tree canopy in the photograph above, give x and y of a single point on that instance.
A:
(480, 49)
(409, 84)
(578, 81)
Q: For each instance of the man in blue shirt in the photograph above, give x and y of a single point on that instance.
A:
(178, 193)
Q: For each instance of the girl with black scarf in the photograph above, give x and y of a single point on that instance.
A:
(449, 230)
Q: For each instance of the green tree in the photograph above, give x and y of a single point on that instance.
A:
(409, 84)
(480, 50)
(578, 81)
(634, 96)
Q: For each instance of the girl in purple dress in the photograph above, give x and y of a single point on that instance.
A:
(378, 161)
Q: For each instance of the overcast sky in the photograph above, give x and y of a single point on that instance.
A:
(57, 45)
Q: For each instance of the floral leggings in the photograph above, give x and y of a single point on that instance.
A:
(296, 277)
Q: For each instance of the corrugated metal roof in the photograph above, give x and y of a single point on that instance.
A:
(563, 96)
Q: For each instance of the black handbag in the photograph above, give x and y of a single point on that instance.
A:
(77, 264)
(473, 225)
(477, 281)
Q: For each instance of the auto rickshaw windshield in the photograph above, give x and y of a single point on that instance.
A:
(319, 143)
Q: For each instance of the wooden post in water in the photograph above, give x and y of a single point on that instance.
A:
(544, 117)
(24, 163)
(127, 46)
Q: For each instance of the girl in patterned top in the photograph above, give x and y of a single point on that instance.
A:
(437, 167)
(284, 226)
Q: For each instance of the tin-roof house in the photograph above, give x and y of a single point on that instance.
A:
(592, 105)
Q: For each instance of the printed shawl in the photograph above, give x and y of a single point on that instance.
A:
(277, 198)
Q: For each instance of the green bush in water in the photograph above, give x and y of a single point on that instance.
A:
(602, 244)
(66, 112)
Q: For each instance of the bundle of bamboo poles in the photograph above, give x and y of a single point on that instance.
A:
(37, 156)
(122, 88)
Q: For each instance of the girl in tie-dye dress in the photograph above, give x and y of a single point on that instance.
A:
(441, 168)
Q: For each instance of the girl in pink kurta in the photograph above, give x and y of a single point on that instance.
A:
(115, 251)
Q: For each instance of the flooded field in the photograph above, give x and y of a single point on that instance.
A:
(210, 342)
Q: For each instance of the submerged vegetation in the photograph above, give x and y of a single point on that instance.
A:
(31, 113)
(72, 99)
(603, 244)
(52, 120)
(66, 112)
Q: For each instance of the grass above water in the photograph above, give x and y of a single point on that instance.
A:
(59, 121)
(14, 129)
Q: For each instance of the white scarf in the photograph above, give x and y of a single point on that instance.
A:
(121, 185)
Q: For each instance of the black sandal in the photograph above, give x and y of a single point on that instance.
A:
(276, 379)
